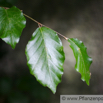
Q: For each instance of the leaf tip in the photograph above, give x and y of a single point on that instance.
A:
(87, 83)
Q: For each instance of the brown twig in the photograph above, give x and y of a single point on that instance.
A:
(39, 24)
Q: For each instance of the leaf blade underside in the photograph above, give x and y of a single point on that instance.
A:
(83, 61)
(45, 57)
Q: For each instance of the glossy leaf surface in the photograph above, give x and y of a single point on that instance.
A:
(45, 57)
(12, 23)
(83, 61)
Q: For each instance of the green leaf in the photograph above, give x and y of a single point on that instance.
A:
(45, 57)
(12, 23)
(83, 61)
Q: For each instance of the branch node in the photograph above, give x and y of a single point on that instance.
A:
(40, 25)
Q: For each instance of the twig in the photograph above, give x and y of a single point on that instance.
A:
(39, 24)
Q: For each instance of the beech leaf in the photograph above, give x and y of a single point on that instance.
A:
(83, 61)
(45, 57)
(12, 23)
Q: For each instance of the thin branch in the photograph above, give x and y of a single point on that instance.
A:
(31, 18)
(59, 33)
(39, 24)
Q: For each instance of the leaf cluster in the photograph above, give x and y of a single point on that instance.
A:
(44, 52)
